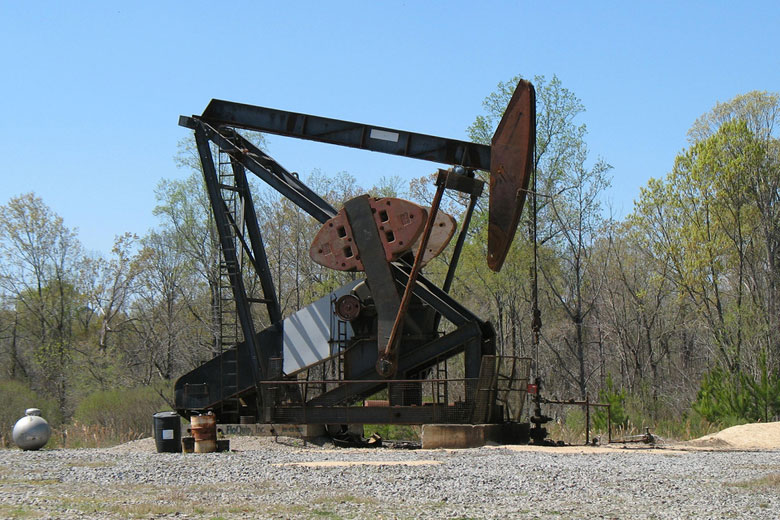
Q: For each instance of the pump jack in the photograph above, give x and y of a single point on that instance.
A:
(381, 332)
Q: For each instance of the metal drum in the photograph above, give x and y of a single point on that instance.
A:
(204, 429)
(167, 432)
(31, 432)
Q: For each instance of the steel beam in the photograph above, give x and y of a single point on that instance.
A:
(303, 197)
(273, 175)
(277, 169)
(442, 302)
(347, 133)
(258, 257)
(259, 363)
(378, 273)
(429, 414)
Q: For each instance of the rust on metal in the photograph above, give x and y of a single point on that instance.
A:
(334, 245)
(188, 444)
(511, 158)
(348, 307)
(204, 430)
(387, 363)
(399, 222)
(441, 234)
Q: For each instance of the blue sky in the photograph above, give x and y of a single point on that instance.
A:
(91, 91)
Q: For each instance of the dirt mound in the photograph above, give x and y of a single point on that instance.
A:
(756, 436)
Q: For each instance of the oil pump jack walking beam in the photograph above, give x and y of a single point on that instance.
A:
(508, 158)
(394, 315)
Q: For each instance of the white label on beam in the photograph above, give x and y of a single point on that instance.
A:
(384, 135)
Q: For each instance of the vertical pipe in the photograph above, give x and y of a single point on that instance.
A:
(587, 419)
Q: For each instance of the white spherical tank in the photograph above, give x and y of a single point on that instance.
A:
(31, 432)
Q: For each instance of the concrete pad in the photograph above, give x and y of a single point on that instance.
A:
(459, 436)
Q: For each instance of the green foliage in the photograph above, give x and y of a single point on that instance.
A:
(574, 419)
(122, 410)
(395, 432)
(16, 398)
(40, 260)
(691, 426)
(764, 391)
(719, 398)
(616, 398)
(733, 398)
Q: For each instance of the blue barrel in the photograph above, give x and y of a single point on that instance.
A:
(167, 432)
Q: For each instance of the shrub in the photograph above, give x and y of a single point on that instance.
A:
(616, 399)
(122, 413)
(692, 426)
(732, 398)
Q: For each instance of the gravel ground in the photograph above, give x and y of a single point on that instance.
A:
(263, 479)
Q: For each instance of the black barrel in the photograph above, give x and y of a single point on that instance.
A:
(167, 432)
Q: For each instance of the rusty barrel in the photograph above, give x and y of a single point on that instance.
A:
(204, 430)
(188, 444)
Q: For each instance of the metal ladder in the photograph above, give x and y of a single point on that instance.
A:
(441, 386)
(338, 341)
(341, 345)
(229, 334)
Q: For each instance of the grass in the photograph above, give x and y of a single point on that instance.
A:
(768, 482)
(91, 464)
(91, 436)
(13, 512)
(342, 499)
(151, 506)
(204, 500)
(147, 510)
(571, 428)
(29, 481)
(145, 500)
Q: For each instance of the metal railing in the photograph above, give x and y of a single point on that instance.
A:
(586, 406)
(314, 396)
